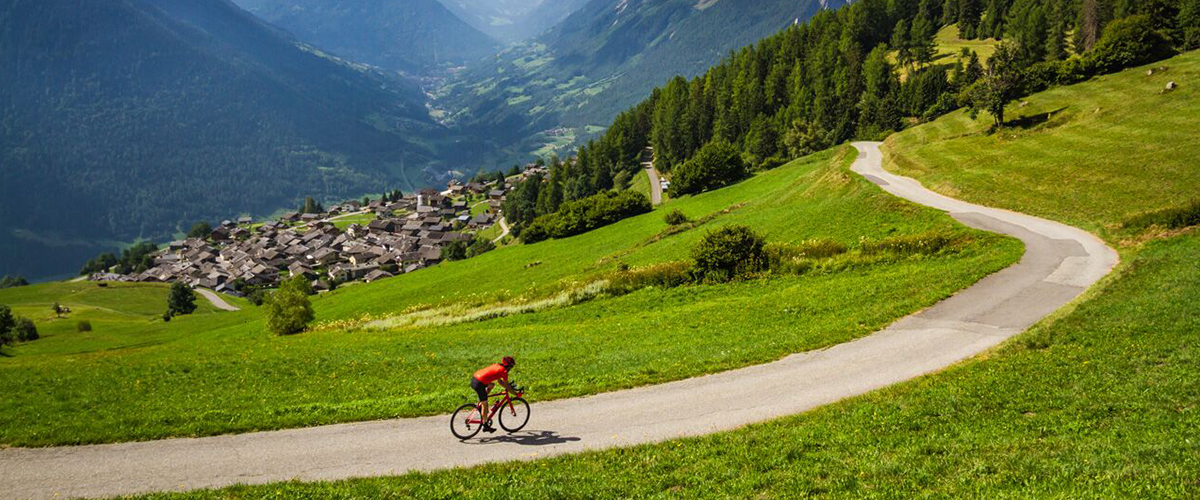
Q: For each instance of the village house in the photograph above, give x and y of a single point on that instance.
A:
(233, 255)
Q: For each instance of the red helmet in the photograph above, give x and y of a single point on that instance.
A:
(508, 362)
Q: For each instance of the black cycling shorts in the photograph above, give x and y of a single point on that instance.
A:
(481, 389)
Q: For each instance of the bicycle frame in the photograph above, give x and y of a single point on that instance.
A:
(501, 403)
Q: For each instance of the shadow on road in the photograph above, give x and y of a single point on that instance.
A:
(529, 438)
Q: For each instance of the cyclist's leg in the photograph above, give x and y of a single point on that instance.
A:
(481, 391)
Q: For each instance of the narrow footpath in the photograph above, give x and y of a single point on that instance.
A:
(1060, 263)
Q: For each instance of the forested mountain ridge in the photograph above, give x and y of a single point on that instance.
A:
(418, 37)
(126, 119)
(605, 57)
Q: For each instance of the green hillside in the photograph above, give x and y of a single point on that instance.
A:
(220, 373)
(1093, 155)
(1099, 401)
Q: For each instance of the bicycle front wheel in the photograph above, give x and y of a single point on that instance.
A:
(514, 415)
(466, 422)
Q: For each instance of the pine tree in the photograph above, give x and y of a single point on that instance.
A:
(901, 42)
(922, 40)
(1089, 26)
(1056, 37)
(992, 24)
(1188, 22)
(969, 12)
(1028, 26)
(950, 12)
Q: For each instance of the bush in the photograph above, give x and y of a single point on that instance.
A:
(455, 250)
(182, 300)
(12, 281)
(922, 244)
(796, 259)
(675, 218)
(581, 216)
(83, 326)
(25, 330)
(729, 253)
(7, 322)
(717, 164)
(1128, 42)
(772, 163)
(664, 275)
(288, 310)
(257, 296)
(480, 247)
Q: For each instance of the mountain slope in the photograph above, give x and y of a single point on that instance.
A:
(127, 119)
(414, 36)
(603, 59)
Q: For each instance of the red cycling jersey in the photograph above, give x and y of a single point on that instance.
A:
(492, 373)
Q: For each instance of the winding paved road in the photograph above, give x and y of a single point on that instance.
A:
(1059, 263)
(216, 300)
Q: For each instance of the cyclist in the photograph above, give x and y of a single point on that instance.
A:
(483, 381)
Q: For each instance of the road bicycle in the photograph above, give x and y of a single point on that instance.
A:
(511, 409)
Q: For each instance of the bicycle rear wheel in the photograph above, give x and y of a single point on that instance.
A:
(465, 422)
(514, 415)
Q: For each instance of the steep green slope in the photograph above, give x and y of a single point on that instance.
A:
(1100, 401)
(415, 36)
(224, 373)
(601, 60)
(127, 119)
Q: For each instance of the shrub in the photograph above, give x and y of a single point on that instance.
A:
(12, 281)
(480, 247)
(257, 296)
(717, 164)
(182, 300)
(664, 275)
(922, 244)
(166, 316)
(1171, 218)
(581, 216)
(7, 322)
(83, 326)
(729, 253)
(288, 310)
(675, 218)
(25, 331)
(1128, 42)
(455, 250)
(772, 163)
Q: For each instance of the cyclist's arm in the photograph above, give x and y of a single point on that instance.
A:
(504, 382)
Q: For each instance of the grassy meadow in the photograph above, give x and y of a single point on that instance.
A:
(220, 373)
(1098, 401)
(1094, 155)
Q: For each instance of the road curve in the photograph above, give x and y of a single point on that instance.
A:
(216, 300)
(1060, 263)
